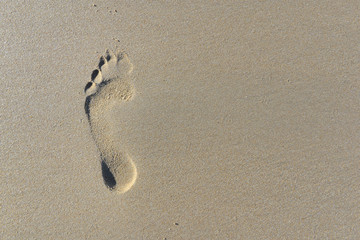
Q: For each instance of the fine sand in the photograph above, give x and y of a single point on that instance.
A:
(180, 119)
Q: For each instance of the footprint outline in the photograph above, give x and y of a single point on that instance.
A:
(110, 82)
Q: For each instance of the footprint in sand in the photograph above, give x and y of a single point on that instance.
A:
(110, 85)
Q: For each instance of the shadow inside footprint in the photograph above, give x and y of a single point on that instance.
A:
(108, 177)
(87, 107)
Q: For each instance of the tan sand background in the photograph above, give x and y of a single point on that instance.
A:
(245, 123)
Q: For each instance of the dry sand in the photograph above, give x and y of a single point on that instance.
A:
(242, 122)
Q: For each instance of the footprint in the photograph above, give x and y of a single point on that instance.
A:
(109, 86)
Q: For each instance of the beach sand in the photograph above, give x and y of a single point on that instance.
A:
(239, 120)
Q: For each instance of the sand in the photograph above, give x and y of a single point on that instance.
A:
(242, 120)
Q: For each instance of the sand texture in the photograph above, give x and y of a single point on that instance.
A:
(180, 119)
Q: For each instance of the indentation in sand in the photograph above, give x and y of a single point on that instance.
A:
(110, 85)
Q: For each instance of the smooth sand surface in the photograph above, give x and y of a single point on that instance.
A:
(244, 122)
